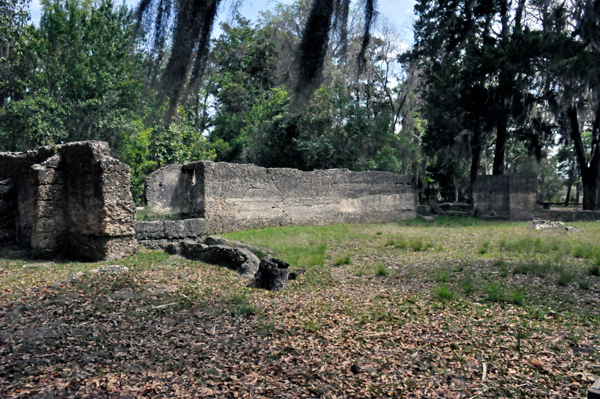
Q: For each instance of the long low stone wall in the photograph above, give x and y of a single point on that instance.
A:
(160, 234)
(235, 197)
(567, 215)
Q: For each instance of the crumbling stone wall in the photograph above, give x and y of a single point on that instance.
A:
(235, 197)
(506, 197)
(71, 199)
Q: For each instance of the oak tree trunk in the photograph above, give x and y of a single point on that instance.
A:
(590, 173)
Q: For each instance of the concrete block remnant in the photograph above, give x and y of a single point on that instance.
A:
(241, 196)
(506, 197)
(70, 199)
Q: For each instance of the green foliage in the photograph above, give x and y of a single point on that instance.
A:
(84, 79)
(335, 128)
(443, 292)
(381, 270)
(494, 291)
(419, 245)
(343, 261)
(583, 282)
(147, 150)
(516, 297)
(564, 277)
(484, 248)
(467, 286)
(540, 269)
(442, 276)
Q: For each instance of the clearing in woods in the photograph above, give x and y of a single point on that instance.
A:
(458, 308)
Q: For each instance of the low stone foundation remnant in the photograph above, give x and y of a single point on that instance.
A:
(506, 197)
(221, 197)
(71, 199)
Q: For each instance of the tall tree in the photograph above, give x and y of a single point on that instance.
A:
(480, 56)
(572, 83)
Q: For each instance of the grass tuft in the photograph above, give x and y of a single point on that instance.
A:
(494, 292)
(467, 286)
(564, 277)
(443, 292)
(516, 297)
(381, 270)
(484, 248)
(343, 261)
(594, 270)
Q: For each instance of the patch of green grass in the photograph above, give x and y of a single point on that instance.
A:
(494, 292)
(238, 298)
(447, 221)
(467, 286)
(379, 233)
(583, 282)
(443, 292)
(564, 277)
(400, 244)
(266, 329)
(536, 268)
(585, 250)
(516, 297)
(594, 270)
(342, 261)
(484, 248)
(419, 245)
(526, 245)
(244, 310)
(240, 305)
(442, 276)
(312, 326)
(381, 270)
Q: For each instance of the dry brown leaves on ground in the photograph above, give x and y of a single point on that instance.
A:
(77, 342)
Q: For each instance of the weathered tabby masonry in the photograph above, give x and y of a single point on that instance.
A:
(506, 197)
(71, 199)
(232, 197)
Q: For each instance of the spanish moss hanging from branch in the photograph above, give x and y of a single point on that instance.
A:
(313, 46)
(327, 16)
(192, 26)
(370, 15)
(191, 23)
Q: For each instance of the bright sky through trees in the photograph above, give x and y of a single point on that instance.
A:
(399, 12)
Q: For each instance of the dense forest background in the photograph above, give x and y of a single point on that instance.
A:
(488, 86)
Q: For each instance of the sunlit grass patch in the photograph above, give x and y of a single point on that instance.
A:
(444, 292)
(342, 261)
(494, 291)
(381, 270)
